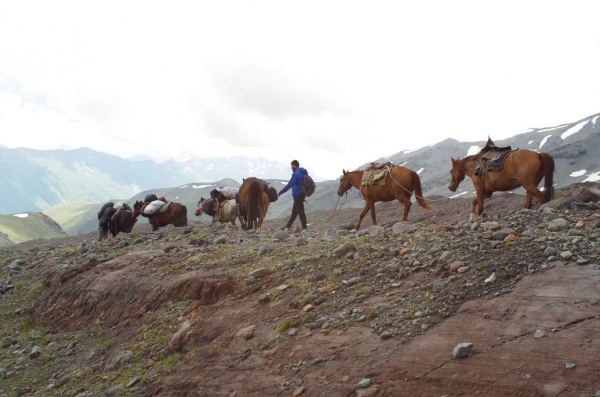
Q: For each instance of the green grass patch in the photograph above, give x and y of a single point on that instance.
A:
(285, 324)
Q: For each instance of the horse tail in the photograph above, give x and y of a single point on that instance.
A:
(548, 168)
(183, 216)
(255, 195)
(419, 193)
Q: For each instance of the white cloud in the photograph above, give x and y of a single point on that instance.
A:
(333, 84)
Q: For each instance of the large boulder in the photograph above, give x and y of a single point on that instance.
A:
(403, 228)
(344, 249)
(557, 224)
(376, 231)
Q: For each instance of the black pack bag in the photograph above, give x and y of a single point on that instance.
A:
(272, 194)
(150, 198)
(209, 207)
(308, 186)
(265, 185)
(110, 204)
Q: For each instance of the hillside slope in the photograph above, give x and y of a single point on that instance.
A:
(27, 226)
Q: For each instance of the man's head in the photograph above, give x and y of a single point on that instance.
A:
(295, 165)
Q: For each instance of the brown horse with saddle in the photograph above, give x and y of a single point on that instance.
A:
(496, 169)
(170, 214)
(384, 182)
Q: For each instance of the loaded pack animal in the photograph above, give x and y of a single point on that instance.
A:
(398, 183)
(226, 211)
(115, 218)
(254, 203)
(517, 168)
(170, 214)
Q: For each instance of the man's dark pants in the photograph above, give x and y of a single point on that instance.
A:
(298, 210)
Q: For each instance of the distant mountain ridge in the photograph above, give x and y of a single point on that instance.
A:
(36, 180)
(67, 175)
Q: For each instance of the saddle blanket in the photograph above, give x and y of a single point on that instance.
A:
(375, 174)
(494, 164)
(155, 207)
(228, 191)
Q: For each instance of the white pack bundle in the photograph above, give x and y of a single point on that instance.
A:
(228, 191)
(153, 207)
(118, 205)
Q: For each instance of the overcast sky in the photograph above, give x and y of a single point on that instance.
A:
(333, 84)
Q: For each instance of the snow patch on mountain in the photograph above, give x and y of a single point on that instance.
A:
(574, 129)
(543, 142)
(578, 173)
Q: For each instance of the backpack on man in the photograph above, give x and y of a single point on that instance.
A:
(308, 186)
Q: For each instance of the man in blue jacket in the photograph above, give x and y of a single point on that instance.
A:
(295, 183)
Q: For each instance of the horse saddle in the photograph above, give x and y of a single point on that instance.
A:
(164, 208)
(491, 151)
(494, 164)
(375, 174)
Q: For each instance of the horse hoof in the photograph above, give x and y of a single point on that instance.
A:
(472, 218)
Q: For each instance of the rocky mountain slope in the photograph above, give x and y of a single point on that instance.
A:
(214, 311)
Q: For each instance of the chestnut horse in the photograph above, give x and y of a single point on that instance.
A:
(522, 167)
(175, 215)
(254, 203)
(399, 185)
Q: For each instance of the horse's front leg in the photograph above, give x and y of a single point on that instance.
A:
(373, 212)
(362, 214)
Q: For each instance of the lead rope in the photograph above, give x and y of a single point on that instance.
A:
(408, 191)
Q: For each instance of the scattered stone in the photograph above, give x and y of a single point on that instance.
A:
(347, 226)
(490, 225)
(445, 258)
(35, 352)
(364, 382)
(246, 333)
(463, 269)
(265, 249)
(300, 241)
(539, 334)
(385, 335)
(500, 235)
(575, 232)
(566, 255)
(570, 366)
(403, 228)
(582, 261)
(293, 331)
(462, 350)
(550, 251)
(330, 232)
(307, 308)
(133, 382)
(344, 249)
(510, 238)
(439, 286)
(404, 251)
(7, 341)
(309, 298)
(557, 224)
(490, 279)
(220, 240)
(264, 298)
(376, 231)
(281, 235)
(454, 266)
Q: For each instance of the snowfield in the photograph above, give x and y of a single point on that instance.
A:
(574, 129)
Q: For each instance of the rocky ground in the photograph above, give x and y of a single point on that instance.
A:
(215, 311)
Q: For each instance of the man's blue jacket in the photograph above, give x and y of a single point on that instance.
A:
(295, 182)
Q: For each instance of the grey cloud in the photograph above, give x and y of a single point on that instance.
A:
(271, 94)
(100, 109)
(14, 85)
(222, 126)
